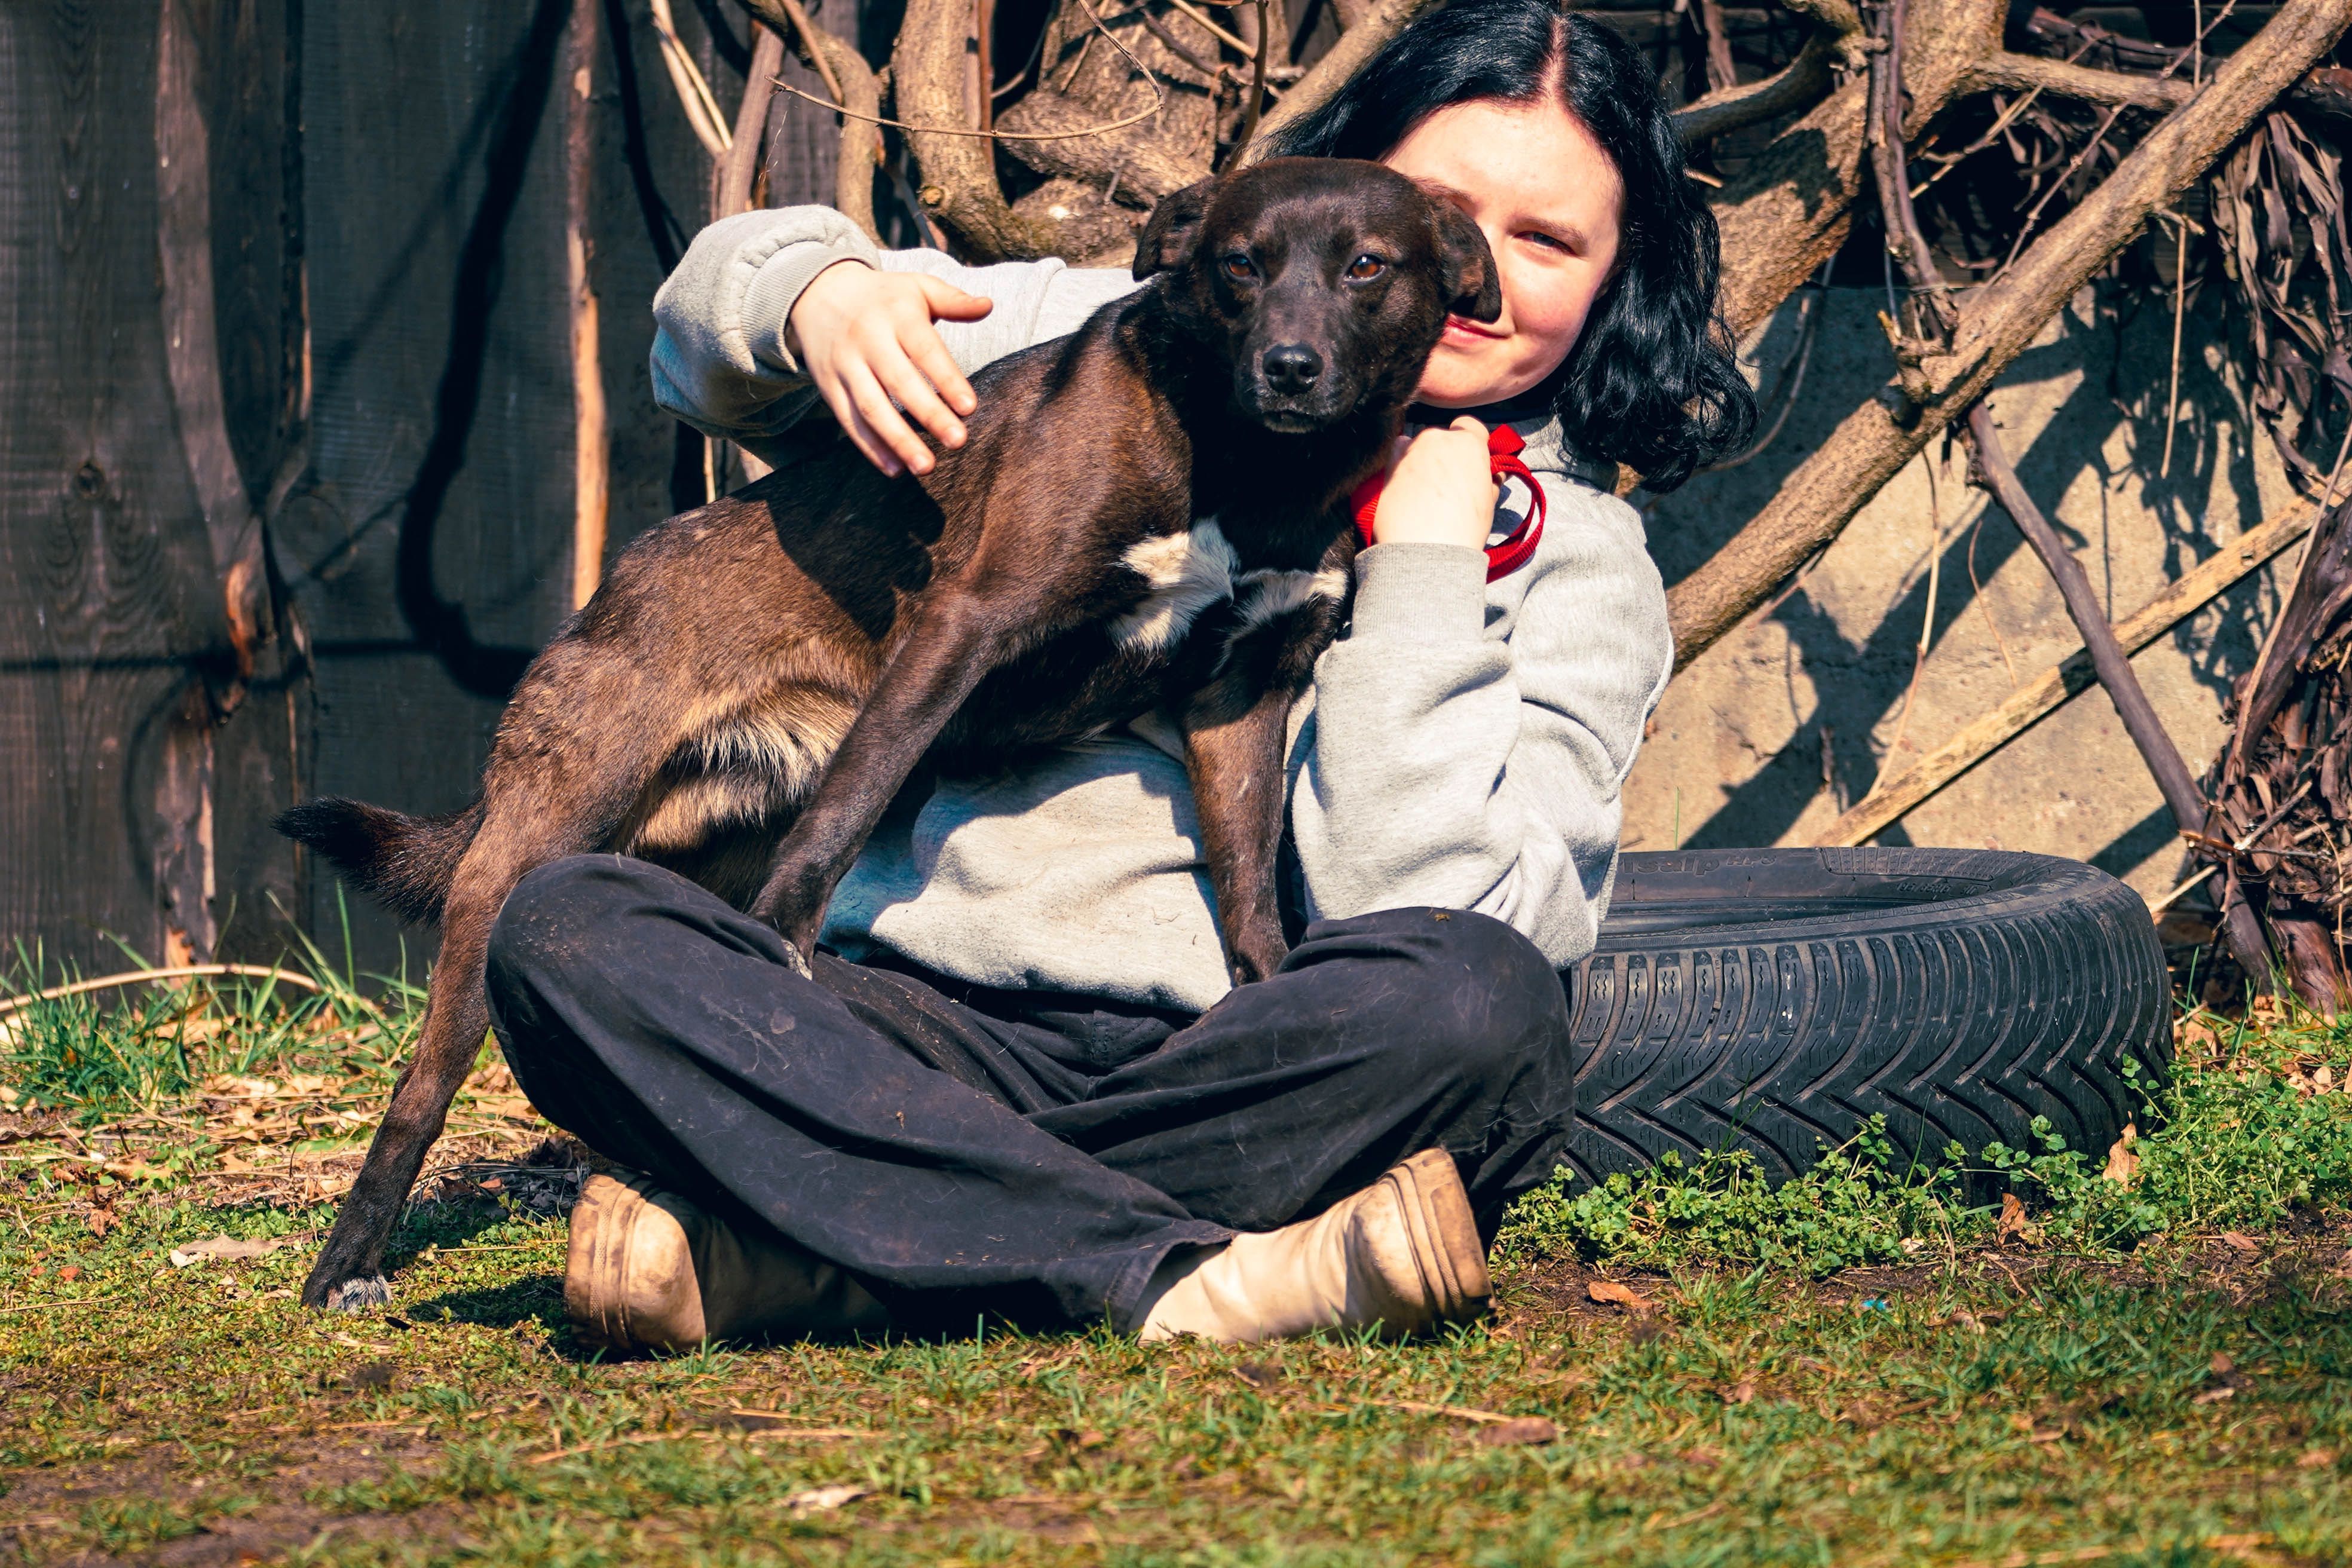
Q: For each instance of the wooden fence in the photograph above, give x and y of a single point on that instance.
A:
(287, 416)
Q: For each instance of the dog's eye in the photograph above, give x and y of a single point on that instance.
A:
(1364, 269)
(1238, 265)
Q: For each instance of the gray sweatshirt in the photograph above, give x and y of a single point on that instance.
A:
(1464, 744)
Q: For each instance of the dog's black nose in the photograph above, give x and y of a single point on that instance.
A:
(1292, 368)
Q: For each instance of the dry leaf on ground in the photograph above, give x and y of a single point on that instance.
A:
(1625, 1296)
(1741, 1393)
(1518, 1429)
(2315, 1459)
(493, 1077)
(2241, 1241)
(2014, 1222)
(294, 1086)
(2191, 1037)
(2123, 1159)
(2227, 1381)
(823, 1499)
(229, 1247)
(230, 1086)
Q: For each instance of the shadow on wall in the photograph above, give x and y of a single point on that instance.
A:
(1806, 701)
(441, 627)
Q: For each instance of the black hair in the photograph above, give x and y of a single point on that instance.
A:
(1652, 381)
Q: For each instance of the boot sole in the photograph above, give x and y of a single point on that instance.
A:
(1444, 1234)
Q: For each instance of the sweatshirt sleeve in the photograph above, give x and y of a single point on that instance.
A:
(720, 360)
(1465, 755)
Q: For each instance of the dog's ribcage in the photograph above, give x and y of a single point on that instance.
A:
(745, 768)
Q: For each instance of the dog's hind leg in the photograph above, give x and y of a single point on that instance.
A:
(349, 1274)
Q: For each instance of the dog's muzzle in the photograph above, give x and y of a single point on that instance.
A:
(1290, 389)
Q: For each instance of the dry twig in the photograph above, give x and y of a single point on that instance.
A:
(173, 972)
(1993, 325)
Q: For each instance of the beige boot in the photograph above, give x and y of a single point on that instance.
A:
(1403, 1253)
(650, 1270)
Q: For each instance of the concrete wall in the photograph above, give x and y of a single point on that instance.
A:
(1784, 723)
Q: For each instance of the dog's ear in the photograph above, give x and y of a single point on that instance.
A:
(1173, 230)
(1472, 287)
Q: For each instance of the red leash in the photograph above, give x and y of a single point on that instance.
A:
(1502, 449)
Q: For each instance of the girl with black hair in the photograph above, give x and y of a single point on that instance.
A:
(1020, 1082)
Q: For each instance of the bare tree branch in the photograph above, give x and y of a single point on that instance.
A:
(1838, 18)
(2187, 802)
(1790, 210)
(1993, 326)
(1144, 164)
(591, 478)
(1356, 46)
(852, 84)
(1929, 315)
(2085, 83)
(693, 92)
(1838, 39)
(959, 172)
(1802, 82)
(1722, 75)
(739, 170)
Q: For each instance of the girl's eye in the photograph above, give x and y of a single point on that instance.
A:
(1548, 241)
(1238, 265)
(1364, 269)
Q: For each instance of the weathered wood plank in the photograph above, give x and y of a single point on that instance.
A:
(112, 625)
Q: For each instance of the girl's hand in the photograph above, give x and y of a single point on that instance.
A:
(1440, 490)
(866, 338)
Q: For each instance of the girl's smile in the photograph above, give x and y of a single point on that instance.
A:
(1461, 330)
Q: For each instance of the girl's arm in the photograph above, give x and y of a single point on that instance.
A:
(1451, 767)
(723, 360)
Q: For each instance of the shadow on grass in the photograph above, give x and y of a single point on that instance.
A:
(534, 1298)
(447, 1224)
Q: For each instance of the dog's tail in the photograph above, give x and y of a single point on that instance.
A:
(406, 862)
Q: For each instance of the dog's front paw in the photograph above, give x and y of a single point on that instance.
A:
(794, 962)
(359, 1295)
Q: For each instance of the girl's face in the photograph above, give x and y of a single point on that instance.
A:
(1547, 198)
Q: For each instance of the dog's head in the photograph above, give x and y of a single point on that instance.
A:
(1323, 283)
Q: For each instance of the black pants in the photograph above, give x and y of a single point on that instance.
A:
(1024, 1154)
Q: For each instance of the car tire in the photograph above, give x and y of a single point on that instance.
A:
(1774, 1000)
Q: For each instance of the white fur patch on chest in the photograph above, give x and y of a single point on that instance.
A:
(1185, 574)
(1268, 595)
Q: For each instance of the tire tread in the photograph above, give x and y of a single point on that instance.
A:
(2001, 988)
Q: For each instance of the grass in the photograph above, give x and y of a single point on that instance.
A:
(1869, 1365)
(2253, 1129)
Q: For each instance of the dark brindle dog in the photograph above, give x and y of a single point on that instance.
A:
(1150, 511)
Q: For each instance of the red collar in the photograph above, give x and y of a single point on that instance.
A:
(1502, 449)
